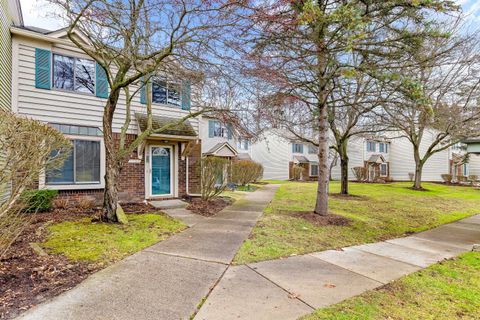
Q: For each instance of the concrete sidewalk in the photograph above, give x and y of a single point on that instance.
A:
(167, 280)
(291, 287)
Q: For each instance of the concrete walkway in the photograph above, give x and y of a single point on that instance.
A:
(291, 287)
(167, 280)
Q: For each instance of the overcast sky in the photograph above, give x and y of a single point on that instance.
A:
(38, 13)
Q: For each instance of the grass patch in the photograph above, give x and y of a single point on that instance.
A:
(379, 212)
(448, 290)
(101, 243)
(247, 188)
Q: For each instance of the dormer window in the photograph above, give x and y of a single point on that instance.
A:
(166, 93)
(73, 74)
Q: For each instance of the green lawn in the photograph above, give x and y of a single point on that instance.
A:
(384, 211)
(448, 290)
(102, 243)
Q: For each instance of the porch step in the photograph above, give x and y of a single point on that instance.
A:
(169, 204)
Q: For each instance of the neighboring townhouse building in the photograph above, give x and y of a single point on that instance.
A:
(279, 154)
(56, 83)
(383, 157)
(219, 138)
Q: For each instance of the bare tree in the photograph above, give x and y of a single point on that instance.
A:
(301, 47)
(436, 93)
(134, 40)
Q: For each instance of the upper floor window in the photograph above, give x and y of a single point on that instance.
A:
(243, 144)
(220, 130)
(383, 147)
(73, 74)
(371, 146)
(166, 93)
(312, 149)
(297, 148)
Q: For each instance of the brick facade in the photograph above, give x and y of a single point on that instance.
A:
(131, 184)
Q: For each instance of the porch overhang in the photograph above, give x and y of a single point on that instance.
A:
(300, 159)
(172, 130)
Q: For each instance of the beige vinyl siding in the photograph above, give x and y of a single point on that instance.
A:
(273, 152)
(474, 164)
(402, 161)
(69, 107)
(5, 56)
(356, 154)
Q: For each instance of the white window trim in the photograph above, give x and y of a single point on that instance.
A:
(168, 104)
(79, 186)
(298, 152)
(52, 71)
(386, 171)
(315, 164)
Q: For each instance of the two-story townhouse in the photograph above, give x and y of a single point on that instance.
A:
(389, 156)
(220, 138)
(279, 154)
(56, 83)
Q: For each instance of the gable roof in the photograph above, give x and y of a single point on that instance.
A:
(182, 129)
(376, 158)
(222, 149)
(300, 159)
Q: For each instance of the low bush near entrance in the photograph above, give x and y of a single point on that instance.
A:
(246, 171)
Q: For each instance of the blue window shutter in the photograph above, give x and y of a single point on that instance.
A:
(229, 131)
(211, 127)
(186, 101)
(43, 65)
(101, 86)
(301, 148)
(143, 93)
(293, 147)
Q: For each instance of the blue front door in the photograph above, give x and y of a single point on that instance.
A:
(161, 171)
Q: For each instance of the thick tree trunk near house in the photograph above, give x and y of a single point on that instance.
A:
(112, 166)
(321, 206)
(344, 174)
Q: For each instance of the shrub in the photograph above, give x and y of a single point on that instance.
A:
(461, 178)
(360, 173)
(38, 200)
(411, 175)
(30, 146)
(86, 203)
(246, 171)
(447, 178)
(473, 177)
(213, 170)
(61, 203)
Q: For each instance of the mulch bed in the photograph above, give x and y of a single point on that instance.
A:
(347, 196)
(208, 208)
(27, 278)
(318, 220)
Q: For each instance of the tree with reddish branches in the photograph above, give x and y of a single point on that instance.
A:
(299, 48)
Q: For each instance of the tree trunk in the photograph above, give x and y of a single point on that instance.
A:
(344, 174)
(112, 166)
(321, 206)
(343, 167)
(418, 169)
